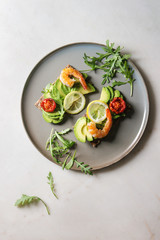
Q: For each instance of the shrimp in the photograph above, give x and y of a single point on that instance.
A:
(67, 74)
(101, 133)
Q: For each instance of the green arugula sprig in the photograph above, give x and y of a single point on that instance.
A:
(51, 184)
(84, 167)
(111, 62)
(60, 147)
(26, 200)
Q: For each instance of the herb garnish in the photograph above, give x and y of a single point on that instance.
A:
(51, 184)
(26, 200)
(60, 147)
(111, 62)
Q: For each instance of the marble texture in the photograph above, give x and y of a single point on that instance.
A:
(116, 203)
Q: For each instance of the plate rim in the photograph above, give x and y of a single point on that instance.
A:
(143, 123)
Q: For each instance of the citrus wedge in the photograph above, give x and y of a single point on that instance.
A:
(74, 102)
(96, 111)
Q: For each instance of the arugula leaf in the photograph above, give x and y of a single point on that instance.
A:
(67, 130)
(118, 83)
(84, 167)
(65, 161)
(64, 150)
(53, 136)
(71, 162)
(51, 148)
(118, 115)
(67, 143)
(111, 62)
(26, 200)
(51, 183)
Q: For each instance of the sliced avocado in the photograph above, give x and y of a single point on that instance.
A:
(105, 95)
(52, 117)
(78, 129)
(111, 92)
(59, 87)
(87, 133)
(90, 88)
(46, 118)
(117, 93)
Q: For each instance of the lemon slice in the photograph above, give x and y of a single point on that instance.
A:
(96, 111)
(74, 102)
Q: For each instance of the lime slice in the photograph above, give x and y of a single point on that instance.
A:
(96, 111)
(74, 102)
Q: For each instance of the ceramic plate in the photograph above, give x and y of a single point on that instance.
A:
(128, 132)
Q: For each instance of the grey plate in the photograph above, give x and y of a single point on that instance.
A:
(116, 146)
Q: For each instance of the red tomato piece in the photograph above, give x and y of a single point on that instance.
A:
(117, 105)
(48, 105)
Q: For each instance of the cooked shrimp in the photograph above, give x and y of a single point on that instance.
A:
(101, 133)
(67, 75)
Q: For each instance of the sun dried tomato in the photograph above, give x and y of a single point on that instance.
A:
(48, 105)
(117, 105)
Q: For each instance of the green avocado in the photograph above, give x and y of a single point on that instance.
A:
(111, 92)
(117, 93)
(78, 129)
(105, 95)
(52, 117)
(90, 88)
(88, 135)
(46, 118)
(59, 85)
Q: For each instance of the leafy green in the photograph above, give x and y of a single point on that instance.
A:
(26, 200)
(117, 83)
(111, 62)
(67, 143)
(65, 161)
(71, 162)
(84, 167)
(51, 183)
(60, 147)
(115, 116)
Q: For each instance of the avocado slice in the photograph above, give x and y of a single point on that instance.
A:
(90, 88)
(105, 95)
(117, 93)
(46, 118)
(59, 88)
(78, 129)
(111, 92)
(87, 133)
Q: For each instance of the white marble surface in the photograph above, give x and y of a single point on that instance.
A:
(117, 203)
